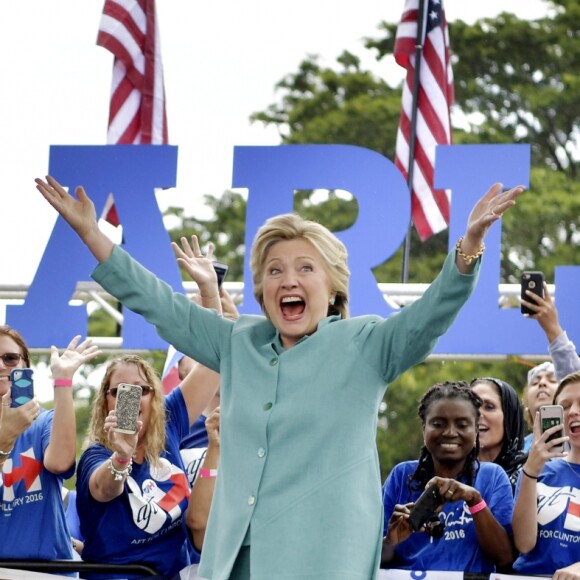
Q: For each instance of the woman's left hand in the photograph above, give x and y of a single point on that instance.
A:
(65, 365)
(452, 490)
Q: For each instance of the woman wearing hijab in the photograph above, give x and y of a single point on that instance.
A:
(501, 425)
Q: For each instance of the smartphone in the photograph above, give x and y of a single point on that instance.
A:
(221, 270)
(22, 386)
(424, 508)
(127, 407)
(533, 281)
(551, 415)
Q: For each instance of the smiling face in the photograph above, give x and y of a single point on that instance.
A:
(296, 289)
(491, 421)
(8, 345)
(569, 398)
(131, 374)
(450, 433)
(540, 392)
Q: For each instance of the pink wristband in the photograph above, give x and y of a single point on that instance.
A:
(477, 507)
(121, 461)
(63, 382)
(207, 473)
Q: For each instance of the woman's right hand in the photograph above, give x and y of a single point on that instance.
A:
(124, 444)
(79, 213)
(398, 529)
(542, 450)
(15, 420)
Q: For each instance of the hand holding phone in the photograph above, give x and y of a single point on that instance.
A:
(221, 270)
(424, 508)
(22, 389)
(534, 282)
(551, 415)
(127, 406)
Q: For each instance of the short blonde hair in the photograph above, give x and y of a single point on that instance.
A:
(291, 226)
(155, 437)
(570, 379)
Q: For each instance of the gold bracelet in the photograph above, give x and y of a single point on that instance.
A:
(468, 259)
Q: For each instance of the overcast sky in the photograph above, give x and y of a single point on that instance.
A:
(222, 59)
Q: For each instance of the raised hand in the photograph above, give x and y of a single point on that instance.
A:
(198, 266)
(65, 365)
(79, 213)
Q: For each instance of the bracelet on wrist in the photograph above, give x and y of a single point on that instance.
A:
(207, 473)
(528, 475)
(468, 259)
(118, 474)
(63, 382)
(5, 453)
(477, 507)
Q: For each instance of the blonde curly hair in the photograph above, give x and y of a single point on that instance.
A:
(155, 437)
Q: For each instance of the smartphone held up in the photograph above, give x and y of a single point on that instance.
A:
(22, 389)
(534, 282)
(551, 415)
(221, 270)
(127, 406)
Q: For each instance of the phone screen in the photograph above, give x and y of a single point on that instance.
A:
(548, 422)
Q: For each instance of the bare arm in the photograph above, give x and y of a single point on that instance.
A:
(202, 492)
(104, 483)
(525, 518)
(61, 451)
(486, 211)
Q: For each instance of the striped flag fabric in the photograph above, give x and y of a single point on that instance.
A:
(170, 375)
(430, 207)
(137, 114)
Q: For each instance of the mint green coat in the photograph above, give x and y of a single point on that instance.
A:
(299, 471)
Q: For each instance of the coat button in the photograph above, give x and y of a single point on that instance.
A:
(267, 406)
(261, 452)
(273, 362)
(251, 500)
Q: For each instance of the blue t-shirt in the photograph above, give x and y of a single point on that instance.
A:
(458, 549)
(144, 524)
(558, 541)
(32, 519)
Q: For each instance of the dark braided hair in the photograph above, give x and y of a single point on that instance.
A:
(425, 468)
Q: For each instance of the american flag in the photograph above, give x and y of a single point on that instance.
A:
(430, 207)
(137, 114)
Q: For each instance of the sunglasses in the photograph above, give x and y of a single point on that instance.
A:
(10, 359)
(146, 390)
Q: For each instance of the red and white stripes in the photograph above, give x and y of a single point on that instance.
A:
(430, 207)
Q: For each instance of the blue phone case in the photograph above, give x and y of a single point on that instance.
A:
(22, 386)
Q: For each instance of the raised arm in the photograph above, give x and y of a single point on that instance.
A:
(561, 348)
(525, 518)
(79, 213)
(202, 491)
(61, 451)
(485, 212)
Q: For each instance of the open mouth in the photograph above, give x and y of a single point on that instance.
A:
(292, 307)
(574, 427)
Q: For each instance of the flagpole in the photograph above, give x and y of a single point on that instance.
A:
(420, 38)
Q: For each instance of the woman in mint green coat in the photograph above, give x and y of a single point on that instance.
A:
(298, 494)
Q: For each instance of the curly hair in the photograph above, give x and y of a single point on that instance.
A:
(425, 467)
(155, 437)
(333, 252)
(8, 331)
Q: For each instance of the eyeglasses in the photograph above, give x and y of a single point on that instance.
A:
(10, 359)
(146, 390)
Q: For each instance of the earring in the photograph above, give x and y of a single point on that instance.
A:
(332, 299)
